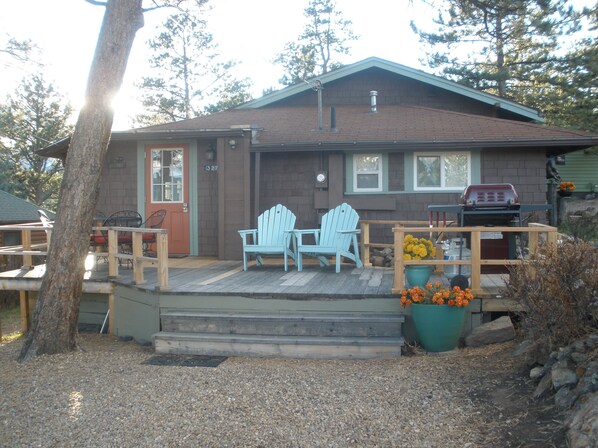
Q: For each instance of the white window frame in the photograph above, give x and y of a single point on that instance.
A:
(379, 172)
(442, 156)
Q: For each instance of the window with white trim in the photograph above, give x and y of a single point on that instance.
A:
(442, 171)
(367, 172)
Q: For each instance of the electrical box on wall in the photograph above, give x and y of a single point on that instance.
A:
(321, 179)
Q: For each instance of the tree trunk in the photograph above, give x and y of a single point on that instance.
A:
(54, 326)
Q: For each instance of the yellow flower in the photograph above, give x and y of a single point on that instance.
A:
(418, 248)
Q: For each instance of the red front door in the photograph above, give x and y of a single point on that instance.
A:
(167, 187)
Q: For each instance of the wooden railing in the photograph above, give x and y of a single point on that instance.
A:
(27, 250)
(437, 233)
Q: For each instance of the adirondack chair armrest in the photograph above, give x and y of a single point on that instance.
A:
(356, 231)
(245, 233)
(299, 234)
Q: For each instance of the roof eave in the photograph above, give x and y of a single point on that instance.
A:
(568, 144)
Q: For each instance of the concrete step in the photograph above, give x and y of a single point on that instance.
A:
(291, 324)
(309, 347)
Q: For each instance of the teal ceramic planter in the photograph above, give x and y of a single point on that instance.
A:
(418, 275)
(437, 327)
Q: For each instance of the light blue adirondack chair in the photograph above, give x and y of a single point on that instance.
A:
(273, 236)
(335, 236)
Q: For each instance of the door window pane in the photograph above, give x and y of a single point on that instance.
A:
(167, 175)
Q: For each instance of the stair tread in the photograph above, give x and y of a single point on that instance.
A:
(252, 338)
(287, 316)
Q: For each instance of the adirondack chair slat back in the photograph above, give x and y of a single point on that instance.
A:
(272, 223)
(343, 217)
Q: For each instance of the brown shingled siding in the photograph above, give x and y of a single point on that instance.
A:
(207, 197)
(289, 179)
(524, 169)
(396, 171)
(356, 90)
(119, 179)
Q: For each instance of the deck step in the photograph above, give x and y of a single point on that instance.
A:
(312, 347)
(292, 335)
(284, 324)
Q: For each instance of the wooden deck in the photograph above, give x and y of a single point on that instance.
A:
(193, 275)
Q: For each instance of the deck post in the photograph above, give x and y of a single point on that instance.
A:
(26, 244)
(137, 262)
(399, 238)
(111, 316)
(162, 248)
(365, 243)
(112, 249)
(476, 265)
(24, 307)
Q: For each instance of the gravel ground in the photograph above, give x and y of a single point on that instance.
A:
(104, 396)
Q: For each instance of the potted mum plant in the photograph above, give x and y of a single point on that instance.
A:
(566, 189)
(438, 312)
(418, 249)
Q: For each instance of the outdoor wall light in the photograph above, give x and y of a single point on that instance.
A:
(211, 152)
(232, 143)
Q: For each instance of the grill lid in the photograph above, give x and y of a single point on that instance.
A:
(490, 196)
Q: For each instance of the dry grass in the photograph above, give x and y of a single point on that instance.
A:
(10, 325)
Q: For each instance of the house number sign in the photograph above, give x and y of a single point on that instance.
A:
(210, 167)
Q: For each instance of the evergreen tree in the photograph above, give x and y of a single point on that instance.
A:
(33, 117)
(326, 36)
(574, 100)
(188, 74)
(504, 47)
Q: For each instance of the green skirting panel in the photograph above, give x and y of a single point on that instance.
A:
(136, 314)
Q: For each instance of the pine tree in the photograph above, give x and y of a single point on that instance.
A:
(326, 36)
(188, 76)
(504, 47)
(35, 116)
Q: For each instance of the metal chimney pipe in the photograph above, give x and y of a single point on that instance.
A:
(373, 95)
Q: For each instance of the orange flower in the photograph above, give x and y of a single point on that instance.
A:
(436, 294)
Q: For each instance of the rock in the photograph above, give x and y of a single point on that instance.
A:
(543, 388)
(499, 330)
(588, 383)
(530, 353)
(537, 372)
(583, 425)
(563, 377)
(378, 261)
(564, 398)
(579, 357)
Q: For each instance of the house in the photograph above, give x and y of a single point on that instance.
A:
(14, 210)
(385, 138)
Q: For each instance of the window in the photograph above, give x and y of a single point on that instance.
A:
(444, 171)
(367, 172)
(167, 175)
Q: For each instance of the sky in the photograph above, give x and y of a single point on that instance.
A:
(249, 31)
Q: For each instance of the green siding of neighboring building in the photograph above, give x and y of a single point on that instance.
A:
(581, 168)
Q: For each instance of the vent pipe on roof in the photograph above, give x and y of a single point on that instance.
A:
(373, 95)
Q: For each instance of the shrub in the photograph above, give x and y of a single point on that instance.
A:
(579, 226)
(558, 292)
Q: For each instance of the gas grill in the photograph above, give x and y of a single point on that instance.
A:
(485, 205)
(489, 205)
